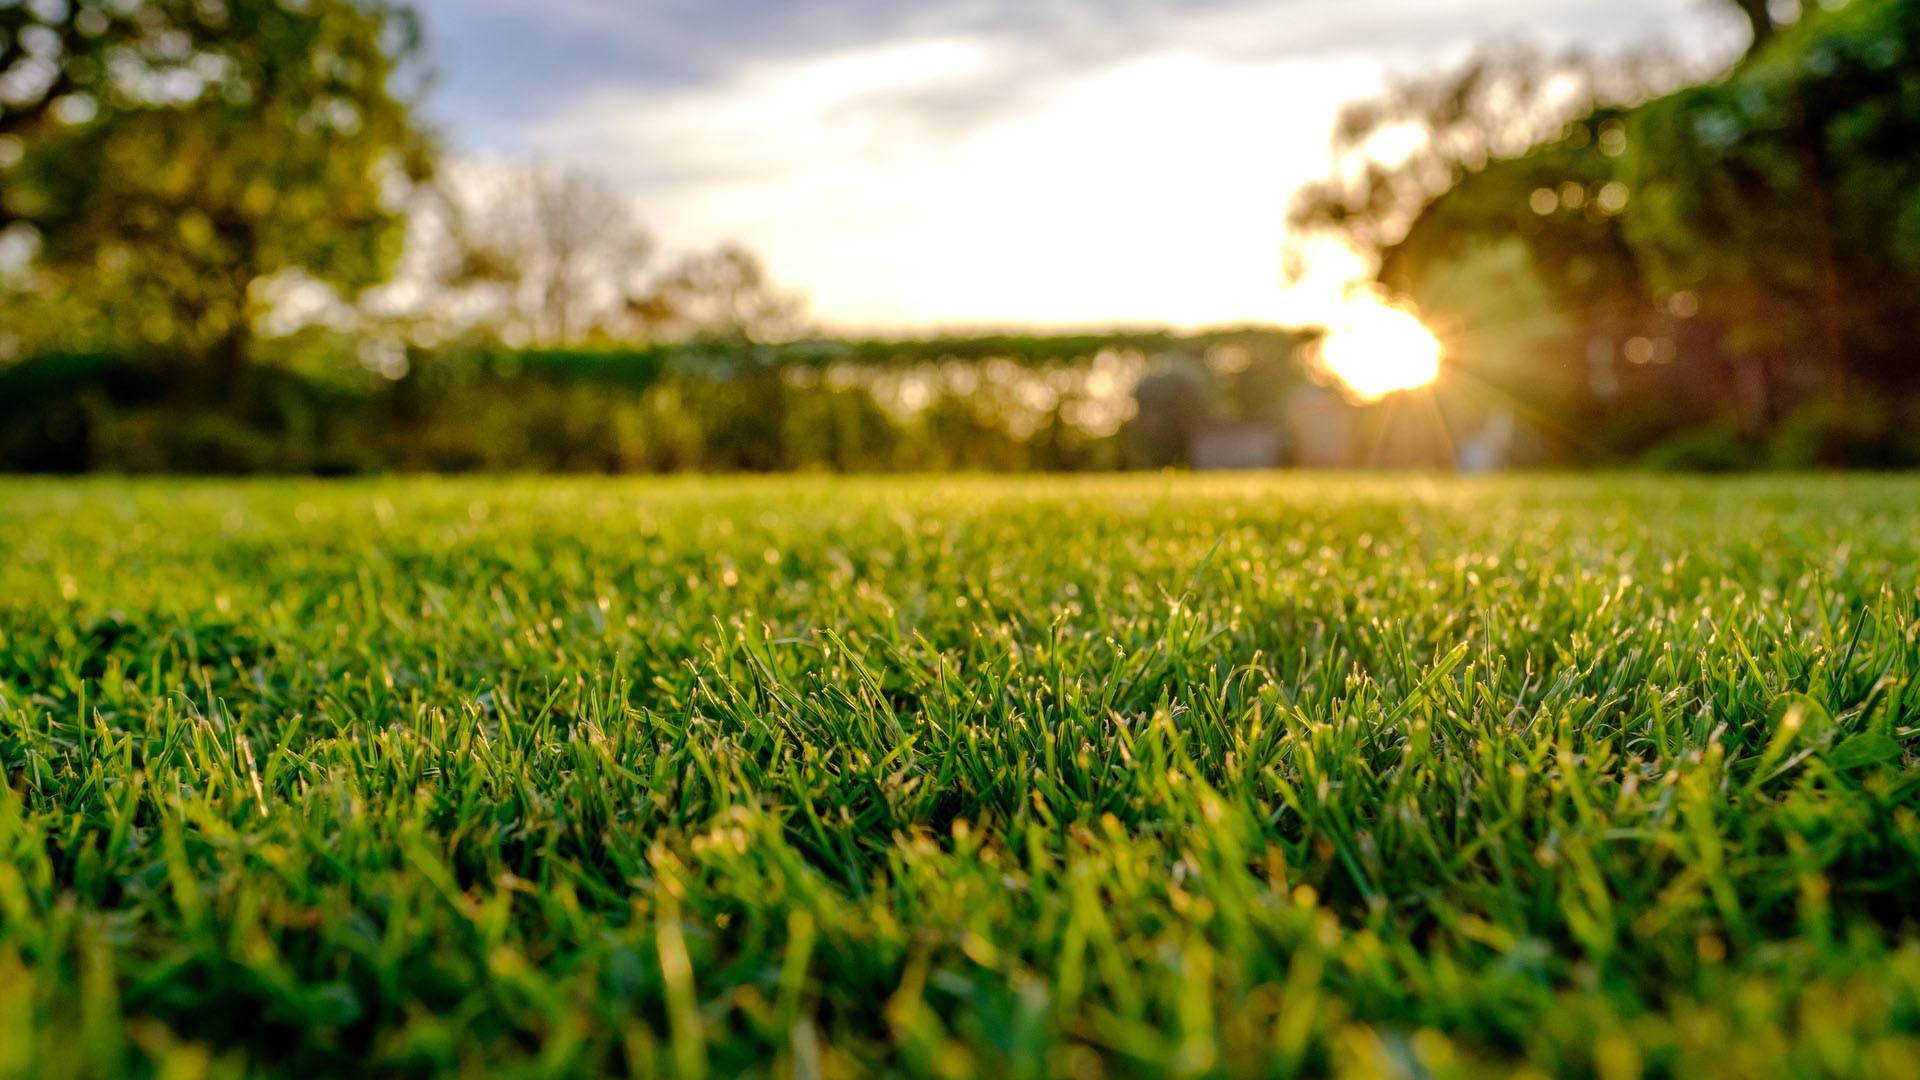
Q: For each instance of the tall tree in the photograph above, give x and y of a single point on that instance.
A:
(1748, 247)
(68, 63)
(181, 154)
(534, 254)
(543, 256)
(1396, 153)
(724, 293)
(1788, 196)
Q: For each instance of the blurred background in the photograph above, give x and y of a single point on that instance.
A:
(346, 236)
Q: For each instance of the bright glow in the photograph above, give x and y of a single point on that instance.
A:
(1149, 190)
(985, 163)
(1377, 348)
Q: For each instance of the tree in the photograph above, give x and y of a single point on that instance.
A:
(720, 294)
(534, 254)
(1787, 198)
(243, 142)
(1762, 20)
(63, 65)
(1747, 248)
(1396, 153)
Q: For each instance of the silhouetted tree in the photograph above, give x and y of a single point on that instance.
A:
(1396, 153)
(723, 294)
(556, 255)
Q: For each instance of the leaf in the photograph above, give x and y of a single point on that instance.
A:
(1798, 721)
(1802, 717)
(331, 1004)
(1866, 749)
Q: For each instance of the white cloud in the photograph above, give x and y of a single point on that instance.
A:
(1150, 191)
(982, 177)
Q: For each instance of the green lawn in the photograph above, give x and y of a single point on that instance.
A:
(1122, 776)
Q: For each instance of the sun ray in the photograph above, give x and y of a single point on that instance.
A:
(1378, 348)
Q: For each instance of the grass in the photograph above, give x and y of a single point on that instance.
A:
(1027, 777)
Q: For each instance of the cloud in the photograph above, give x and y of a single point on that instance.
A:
(974, 160)
(1127, 193)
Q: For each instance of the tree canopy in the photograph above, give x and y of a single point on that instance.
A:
(171, 157)
(1740, 249)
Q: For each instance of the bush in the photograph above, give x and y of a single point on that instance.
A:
(1863, 436)
(161, 440)
(1720, 448)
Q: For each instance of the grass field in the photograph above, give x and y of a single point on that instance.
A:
(1025, 777)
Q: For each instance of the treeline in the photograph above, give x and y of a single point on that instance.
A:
(994, 403)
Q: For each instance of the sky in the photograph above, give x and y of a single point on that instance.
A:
(925, 164)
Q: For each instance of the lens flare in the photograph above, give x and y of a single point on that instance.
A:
(1379, 348)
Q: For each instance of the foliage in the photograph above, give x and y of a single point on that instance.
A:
(62, 64)
(723, 294)
(1397, 153)
(274, 144)
(1787, 198)
(1422, 137)
(1124, 776)
(998, 403)
(1175, 398)
(1724, 257)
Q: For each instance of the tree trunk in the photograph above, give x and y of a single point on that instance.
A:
(1759, 16)
(1828, 301)
(227, 367)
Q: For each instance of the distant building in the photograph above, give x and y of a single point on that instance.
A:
(1490, 448)
(1229, 444)
(1319, 428)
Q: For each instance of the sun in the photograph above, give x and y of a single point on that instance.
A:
(1378, 348)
